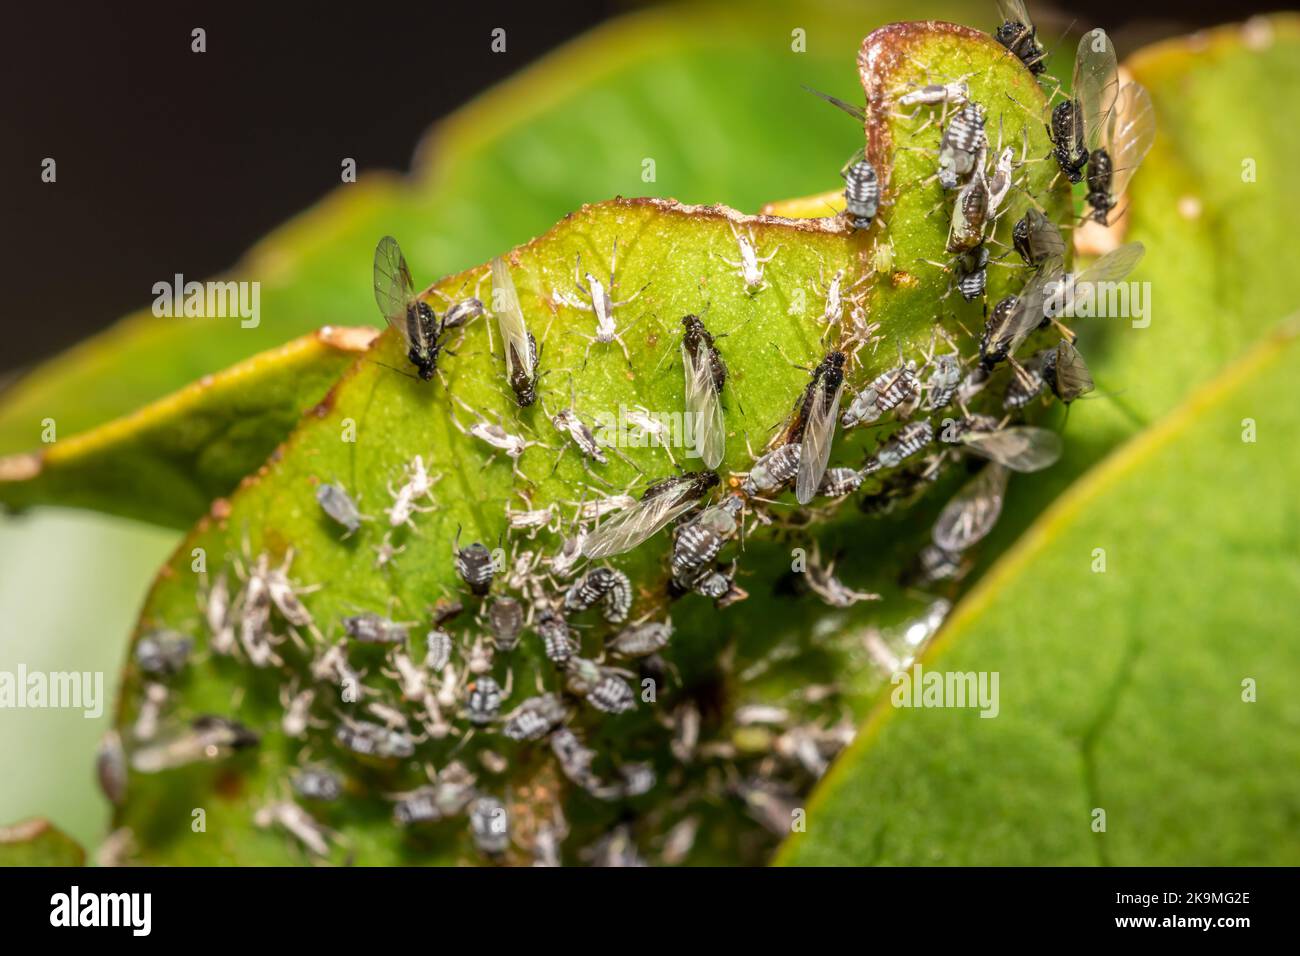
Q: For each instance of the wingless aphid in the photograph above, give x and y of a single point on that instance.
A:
(318, 784)
(417, 486)
(641, 640)
(969, 213)
(557, 642)
(750, 265)
(773, 470)
(903, 444)
(962, 144)
(972, 272)
(898, 388)
(601, 687)
(474, 565)
(1018, 34)
(698, 542)
(371, 628)
(659, 504)
(519, 344)
(339, 506)
(819, 413)
(163, 653)
(506, 618)
(861, 193)
(489, 826)
(413, 318)
(600, 302)
(534, 718)
(369, 739)
(606, 585)
(706, 374)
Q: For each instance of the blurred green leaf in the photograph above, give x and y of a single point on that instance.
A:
(38, 843)
(1173, 715)
(166, 463)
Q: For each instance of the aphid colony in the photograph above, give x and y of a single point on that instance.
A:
(439, 705)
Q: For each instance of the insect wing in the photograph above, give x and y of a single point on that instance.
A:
(1096, 84)
(857, 112)
(705, 405)
(817, 436)
(1021, 448)
(393, 287)
(973, 511)
(627, 529)
(1072, 376)
(510, 319)
(1114, 265)
(1032, 303)
(1045, 240)
(1129, 134)
(1013, 11)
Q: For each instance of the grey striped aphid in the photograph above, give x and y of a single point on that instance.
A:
(954, 93)
(534, 718)
(317, 783)
(413, 318)
(609, 586)
(474, 564)
(574, 757)
(942, 385)
(973, 511)
(706, 374)
(861, 193)
(519, 344)
(1037, 239)
(971, 268)
(903, 444)
(750, 265)
(368, 739)
(773, 470)
(207, 738)
(659, 504)
(417, 486)
(601, 687)
(1024, 387)
(339, 506)
(489, 826)
(698, 541)
(1127, 137)
(483, 700)
(1066, 373)
(163, 652)
(899, 388)
(838, 482)
(447, 794)
(962, 144)
(641, 640)
(371, 628)
(599, 301)
(557, 641)
(815, 423)
(438, 647)
(1017, 34)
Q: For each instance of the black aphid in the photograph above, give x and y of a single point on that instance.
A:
(1019, 35)
(556, 640)
(413, 318)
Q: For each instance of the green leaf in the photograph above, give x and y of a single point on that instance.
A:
(1153, 717)
(671, 261)
(37, 842)
(166, 463)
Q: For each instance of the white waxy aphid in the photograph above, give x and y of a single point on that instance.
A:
(339, 506)
(418, 485)
(438, 647)
(332, 665)
(660, 504)
(567, 423)
(297, 718)
(834, 307)
(489, 825)
(411, 678)
(215, 603)
(499, 439)
(653, 427)
(999, 184)
(956, 93)
(750, 265)
(822, 582)
(599, 301)
(284, 595)
(390, 717)
(296, 821)
(534, 718)
(149, 717)
(973, 511)
(679, 841)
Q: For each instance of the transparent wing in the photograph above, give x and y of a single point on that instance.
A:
(510, 319)
(627, 529)
(1096, 83)
(393, 287)
(1129, 134)
(1045, 241)
(1021, 448)
(705, 406)
(973, 511)
(1013, 11)
(1032, 303)
(1072, 376)
(816, 451)
(1114, 265)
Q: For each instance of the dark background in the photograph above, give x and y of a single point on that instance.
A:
(172, 162)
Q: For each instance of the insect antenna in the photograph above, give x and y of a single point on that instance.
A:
(857, 112)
